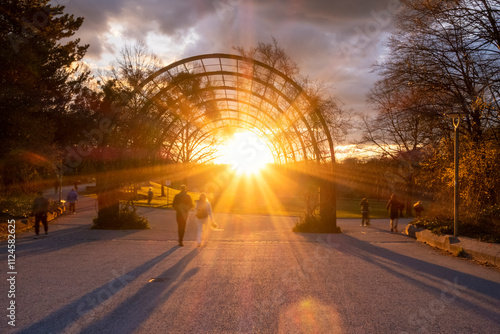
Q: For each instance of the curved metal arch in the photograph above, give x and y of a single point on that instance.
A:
(265, 112)
(249, 128)
(271, 103)
(290, 123)
(231, 119)
(290, 102)
(254, 64)
(176, 118)
(219, 56)
(251, 125)
(279, 92)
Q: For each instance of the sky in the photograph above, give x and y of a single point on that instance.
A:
(334, 42)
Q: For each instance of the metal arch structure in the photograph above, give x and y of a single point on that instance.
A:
(248, 94)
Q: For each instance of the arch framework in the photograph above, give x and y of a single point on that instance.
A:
(222, 92)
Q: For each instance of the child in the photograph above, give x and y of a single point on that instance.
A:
(365, 210)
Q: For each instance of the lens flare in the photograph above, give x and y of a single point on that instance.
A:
(246, 153)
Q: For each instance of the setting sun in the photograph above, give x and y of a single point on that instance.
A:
(246, 153)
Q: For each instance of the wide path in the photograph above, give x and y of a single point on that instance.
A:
(256, 276)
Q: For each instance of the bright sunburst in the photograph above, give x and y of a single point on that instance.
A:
(246, 153)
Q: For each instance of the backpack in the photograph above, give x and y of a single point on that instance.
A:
(201, 211)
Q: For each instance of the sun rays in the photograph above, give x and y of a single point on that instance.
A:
(246, 153)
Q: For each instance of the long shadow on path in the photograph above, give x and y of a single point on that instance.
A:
(57, 321)
(128, 316)
(386, 259)
(65, 238)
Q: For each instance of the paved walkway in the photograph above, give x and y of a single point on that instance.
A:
(256, 276)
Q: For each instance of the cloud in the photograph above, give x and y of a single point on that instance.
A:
(333, 41)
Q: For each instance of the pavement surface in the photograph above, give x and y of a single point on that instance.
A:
(255, 276)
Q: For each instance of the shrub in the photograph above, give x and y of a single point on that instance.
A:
(128, 219)
(17, 206)
(484, 225)
(131, 220)
(479, 174)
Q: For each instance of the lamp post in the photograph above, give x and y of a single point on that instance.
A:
(60, 176)
(456, 116)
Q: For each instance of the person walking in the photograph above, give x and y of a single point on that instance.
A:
(39, 210)
(56, 186)
(394, 206)
(365, 211)
(419, 208)
(182, 203)
(203, 211)
(72, 198)
(150, 195)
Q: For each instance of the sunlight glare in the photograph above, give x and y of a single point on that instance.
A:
(246, 153)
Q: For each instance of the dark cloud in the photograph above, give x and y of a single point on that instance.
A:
(334, 41)
(325, 12)
(138, 17)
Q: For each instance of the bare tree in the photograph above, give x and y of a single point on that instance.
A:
(273, 55)
(402, 130)
(436, 50)
(443, 57)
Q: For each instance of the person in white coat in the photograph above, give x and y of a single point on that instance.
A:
(203, 211)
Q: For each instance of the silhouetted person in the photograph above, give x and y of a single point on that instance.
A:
(72, 198)
(150, 195)
(203, 211)
(394, 207)
(182, 204)
(419, 208)
(365, 211)
(56, 186)
(39, 210)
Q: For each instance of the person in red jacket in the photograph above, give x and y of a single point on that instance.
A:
(394, 206)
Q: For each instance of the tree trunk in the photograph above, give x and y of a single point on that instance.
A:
(328, 206)
(108, 204)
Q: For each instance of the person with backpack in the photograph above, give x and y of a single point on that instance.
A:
(203, 211)
(182, 204)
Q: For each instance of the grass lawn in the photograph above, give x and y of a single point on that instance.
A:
(286, 206)
(350, 208)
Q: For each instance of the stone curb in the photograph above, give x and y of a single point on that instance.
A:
(477, 250)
